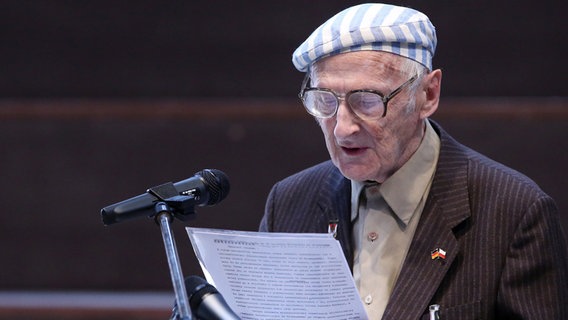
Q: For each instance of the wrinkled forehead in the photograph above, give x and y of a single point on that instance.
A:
(361, 65)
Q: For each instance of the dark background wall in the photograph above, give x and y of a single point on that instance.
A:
(100, 100)
(152, 48)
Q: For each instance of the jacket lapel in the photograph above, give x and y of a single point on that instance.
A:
(335, 205)
(447, 206)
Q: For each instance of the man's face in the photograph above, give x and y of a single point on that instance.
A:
(369, 150)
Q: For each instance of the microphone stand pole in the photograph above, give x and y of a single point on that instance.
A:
(164, 217)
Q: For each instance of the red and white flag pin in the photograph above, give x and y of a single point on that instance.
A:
(332, 227)
(438, 254)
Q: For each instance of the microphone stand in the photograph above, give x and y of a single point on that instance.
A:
(173, 205)
(165, 218)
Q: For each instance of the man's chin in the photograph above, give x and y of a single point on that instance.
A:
(355, 173)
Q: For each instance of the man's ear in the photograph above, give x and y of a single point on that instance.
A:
(432, 85)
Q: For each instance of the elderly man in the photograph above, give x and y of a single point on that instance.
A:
(424, 221)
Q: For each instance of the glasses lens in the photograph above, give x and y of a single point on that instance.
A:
(366, 104)
(320, 103)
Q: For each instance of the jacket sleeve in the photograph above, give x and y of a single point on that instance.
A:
(534, 282)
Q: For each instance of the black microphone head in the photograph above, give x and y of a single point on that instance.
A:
(206, 302)
(217, 183)
(197, 288)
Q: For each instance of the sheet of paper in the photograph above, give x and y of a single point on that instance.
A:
(278, 275)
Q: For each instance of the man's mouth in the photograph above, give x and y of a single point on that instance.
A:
(352, 151)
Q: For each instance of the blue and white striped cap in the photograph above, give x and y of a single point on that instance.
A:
(371, 26)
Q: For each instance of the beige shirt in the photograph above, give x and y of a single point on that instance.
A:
(385, 220)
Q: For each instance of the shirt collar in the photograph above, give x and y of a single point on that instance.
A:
(356, 187)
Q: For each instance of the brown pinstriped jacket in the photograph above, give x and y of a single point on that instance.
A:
(506, 256)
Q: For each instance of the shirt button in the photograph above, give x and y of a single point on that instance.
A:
(372, 236)
(368, 299)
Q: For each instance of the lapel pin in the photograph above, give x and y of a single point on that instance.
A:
(434, 312)
(332, 227)
(438, 254)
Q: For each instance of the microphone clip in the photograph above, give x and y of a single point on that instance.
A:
(180, 206)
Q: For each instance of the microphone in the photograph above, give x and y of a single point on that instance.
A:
(206, 302)
(208, 187)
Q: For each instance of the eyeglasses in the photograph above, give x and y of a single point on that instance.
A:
(367, 104)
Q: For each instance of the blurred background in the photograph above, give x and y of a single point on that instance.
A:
(100, 100)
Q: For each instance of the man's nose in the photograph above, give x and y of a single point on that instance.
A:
(346, 122)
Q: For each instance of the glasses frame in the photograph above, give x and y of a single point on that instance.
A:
(345, 97)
